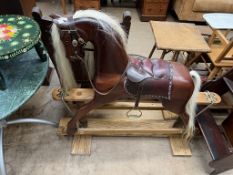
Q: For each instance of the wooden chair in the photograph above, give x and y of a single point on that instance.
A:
(221, 55)
(218, 138)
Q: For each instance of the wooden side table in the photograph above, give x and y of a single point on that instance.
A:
(153, 9)
(177, 37)
(221, 55)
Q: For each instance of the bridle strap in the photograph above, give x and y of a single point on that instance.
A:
(80, 42)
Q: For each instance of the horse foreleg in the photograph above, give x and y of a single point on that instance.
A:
(75, 121)
(98, 101)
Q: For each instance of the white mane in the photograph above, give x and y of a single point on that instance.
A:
(108, 23)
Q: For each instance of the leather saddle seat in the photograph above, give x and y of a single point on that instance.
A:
(149, 77)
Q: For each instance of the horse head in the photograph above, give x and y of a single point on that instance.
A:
(86, 42)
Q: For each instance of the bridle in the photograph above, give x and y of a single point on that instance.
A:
(78, 41)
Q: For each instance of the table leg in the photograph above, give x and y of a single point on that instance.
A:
(163, 54)
(175, 56)
(213, 73)
(190, 61)
(42, 52)
(152, 51)
(2, 82)
(32, 120)
(2, 162)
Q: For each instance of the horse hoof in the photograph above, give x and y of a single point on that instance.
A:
(71, 130)
(83, 124)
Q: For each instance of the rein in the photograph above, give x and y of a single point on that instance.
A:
(92, 85)
(77, 40)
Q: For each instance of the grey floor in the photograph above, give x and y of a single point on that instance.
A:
(37, 150)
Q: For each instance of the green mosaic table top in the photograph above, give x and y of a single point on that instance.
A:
(18, 34)
(23, 76)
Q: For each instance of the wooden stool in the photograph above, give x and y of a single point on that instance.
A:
(177, 37)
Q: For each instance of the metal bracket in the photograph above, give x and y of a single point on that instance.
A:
(211, 98)
(62, 94)
(3, 123)
(2, 82)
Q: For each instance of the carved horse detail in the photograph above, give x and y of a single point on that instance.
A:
(113, 74)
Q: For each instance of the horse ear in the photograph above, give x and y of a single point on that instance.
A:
(54, 16)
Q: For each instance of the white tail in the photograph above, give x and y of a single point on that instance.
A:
(191, 105)
(67, 79)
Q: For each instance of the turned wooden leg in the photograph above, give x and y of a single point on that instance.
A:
(192, 57)
(175, 56)
(163, 54)
(152, 51)
(63, 4)
(213, 73)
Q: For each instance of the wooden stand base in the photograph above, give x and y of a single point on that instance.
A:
(112, 120)
(105, 122)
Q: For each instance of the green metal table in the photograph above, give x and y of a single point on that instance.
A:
(23, 67)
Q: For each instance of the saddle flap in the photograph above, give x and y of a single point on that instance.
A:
(139, 70)
(150, 78)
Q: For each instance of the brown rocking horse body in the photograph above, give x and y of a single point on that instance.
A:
(112, 73)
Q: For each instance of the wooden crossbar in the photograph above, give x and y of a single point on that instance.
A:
(104, 122)
(124, 127)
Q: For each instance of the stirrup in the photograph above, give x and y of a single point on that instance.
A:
(134, 115)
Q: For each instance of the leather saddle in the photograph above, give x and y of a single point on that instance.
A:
(149, 78)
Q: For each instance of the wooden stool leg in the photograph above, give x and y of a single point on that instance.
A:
(213, 73)
(152, 51)
(175, 56)
(163, 54)
(191, 58)
(63, 4)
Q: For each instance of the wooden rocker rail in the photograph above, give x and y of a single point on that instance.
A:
(82, 95)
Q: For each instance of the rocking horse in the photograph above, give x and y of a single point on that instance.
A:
(91, 44)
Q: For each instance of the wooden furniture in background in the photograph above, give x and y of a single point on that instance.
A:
(193, 10)
(219, 139)
(152, 9)
(221, 55)
(63, 5)
(177, 37)
(21, 7)
(86, 4)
